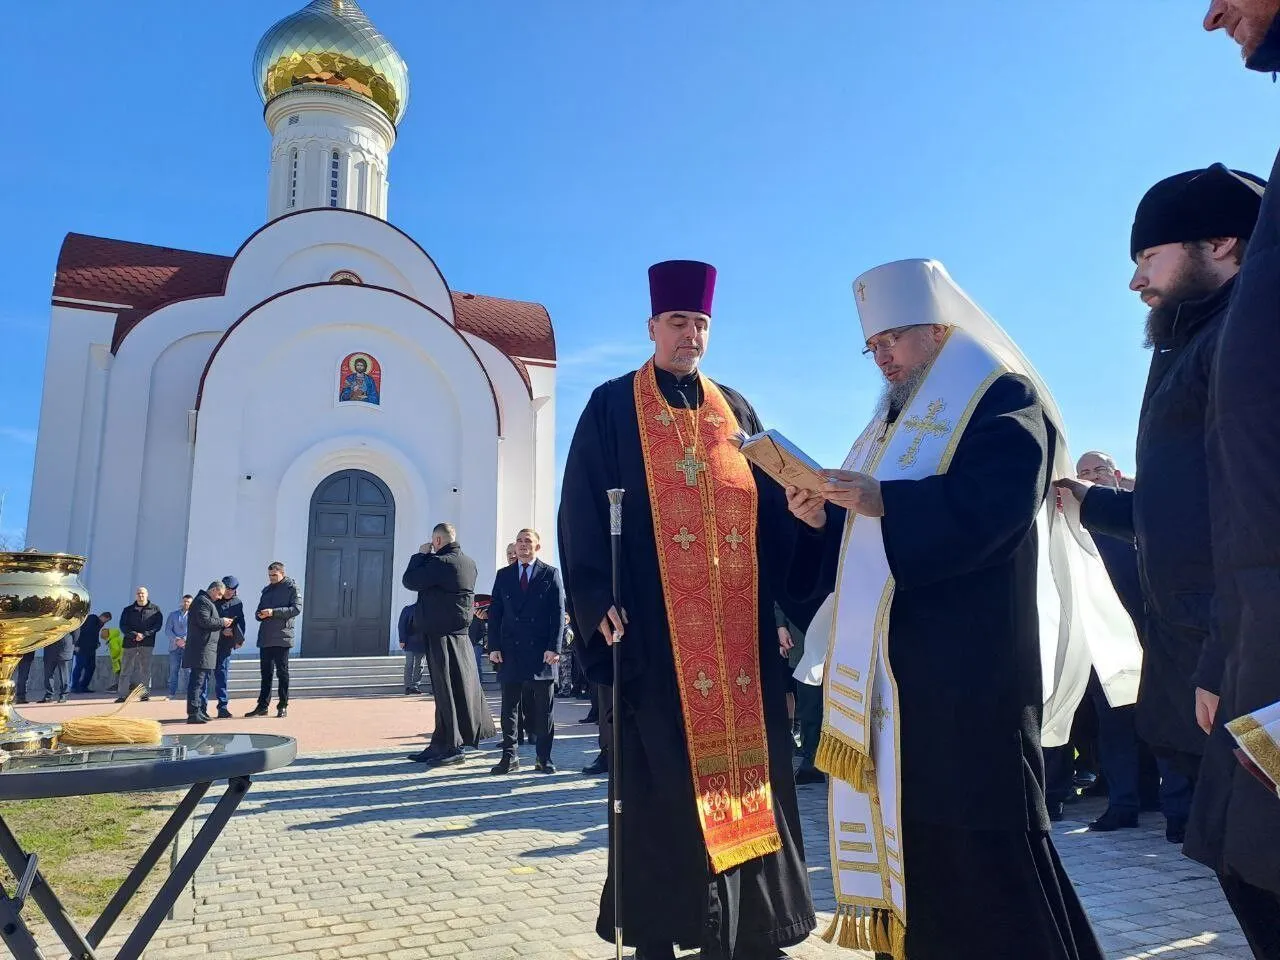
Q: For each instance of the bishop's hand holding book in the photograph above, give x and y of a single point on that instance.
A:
(809, 486)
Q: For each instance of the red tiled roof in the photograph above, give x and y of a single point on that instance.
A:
(146, 278)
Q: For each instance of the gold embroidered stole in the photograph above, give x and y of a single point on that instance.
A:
(703, 499)
(859, 744)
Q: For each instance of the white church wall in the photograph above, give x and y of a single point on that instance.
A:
(113, 570)
(543, 381)
(271, 390)
(70, 426)
(273, 259)
(516, 452)
(165, 482)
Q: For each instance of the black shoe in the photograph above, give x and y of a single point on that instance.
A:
(204, 716)
(592, 717)
(257, 712)
(597, 768)
(197, 718)
(451, 759)
(411, 691)
(224, 714)
(506, 765)
(145, 697)
(1084, 779)
(544, 766)
(1114, 820)
(666, 952)
(1055, 813)
(118, 700)
(47, 698)
(281, 712)
(1175, 830)
(62, 699)
(429, 755)
(810, 775)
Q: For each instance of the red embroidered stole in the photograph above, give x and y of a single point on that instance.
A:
(703, 499)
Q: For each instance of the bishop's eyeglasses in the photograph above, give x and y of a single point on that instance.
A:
(888, 339)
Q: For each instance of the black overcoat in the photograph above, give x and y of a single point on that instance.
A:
(204, 628)
(1167, 517)
(1235, 820)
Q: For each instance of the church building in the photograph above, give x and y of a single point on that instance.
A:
(319, 397)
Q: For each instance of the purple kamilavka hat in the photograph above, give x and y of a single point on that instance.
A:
(687, 285)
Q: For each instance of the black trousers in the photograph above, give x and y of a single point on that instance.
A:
(1258, 912)
(273, 660)
(196, 680)
(809, 713)
(537, 695)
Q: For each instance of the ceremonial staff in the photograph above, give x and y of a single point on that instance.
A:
(615, 748)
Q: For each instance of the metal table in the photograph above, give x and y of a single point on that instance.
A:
(233, 757)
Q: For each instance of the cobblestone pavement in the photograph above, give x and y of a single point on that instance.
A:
(368, 855)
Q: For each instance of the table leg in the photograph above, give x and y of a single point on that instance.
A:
(44, 897)
(148, 862)
(191, 859)
(14, 932)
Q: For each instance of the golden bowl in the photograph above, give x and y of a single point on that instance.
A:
(41, 600)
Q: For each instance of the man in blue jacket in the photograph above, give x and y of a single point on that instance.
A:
(526, 627)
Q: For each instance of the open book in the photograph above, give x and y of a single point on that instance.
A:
(781, 459)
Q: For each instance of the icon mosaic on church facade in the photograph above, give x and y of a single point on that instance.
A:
(360, 380)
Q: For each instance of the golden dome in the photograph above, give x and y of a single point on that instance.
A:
(332, 42)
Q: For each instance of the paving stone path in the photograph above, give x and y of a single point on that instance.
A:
(367, 855)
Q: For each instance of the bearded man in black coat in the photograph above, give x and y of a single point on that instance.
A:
(1189, 235)
(1235, 820)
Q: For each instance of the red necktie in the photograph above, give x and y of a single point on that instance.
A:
(524, 577)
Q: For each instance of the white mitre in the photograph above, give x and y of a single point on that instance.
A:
(1078, 601)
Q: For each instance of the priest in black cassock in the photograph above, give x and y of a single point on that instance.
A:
(711, 850)
(929, 537)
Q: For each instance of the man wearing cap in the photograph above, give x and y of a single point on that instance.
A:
(942, 618)
(230, 607)
(1189, 235)
(1234, 818)
(710, 844)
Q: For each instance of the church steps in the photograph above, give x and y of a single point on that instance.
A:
(334, 677)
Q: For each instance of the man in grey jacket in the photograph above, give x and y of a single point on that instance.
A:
(279, 606)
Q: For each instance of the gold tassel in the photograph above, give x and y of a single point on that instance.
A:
(836, 758)
(109, 729)
(864, 928)
(742, 852)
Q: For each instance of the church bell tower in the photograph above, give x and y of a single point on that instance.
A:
(334, 91)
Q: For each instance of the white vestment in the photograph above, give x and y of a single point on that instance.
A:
(1082, 622)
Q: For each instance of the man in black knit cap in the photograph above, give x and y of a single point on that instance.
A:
(1189, 237)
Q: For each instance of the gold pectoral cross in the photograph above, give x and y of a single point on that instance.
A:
(690, 466)
(929, 426)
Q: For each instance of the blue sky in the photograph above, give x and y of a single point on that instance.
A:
(553, 150)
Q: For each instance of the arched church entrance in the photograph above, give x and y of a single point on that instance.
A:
(346, 611)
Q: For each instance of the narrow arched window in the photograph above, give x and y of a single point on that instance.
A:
(335, 169)
(293, 177)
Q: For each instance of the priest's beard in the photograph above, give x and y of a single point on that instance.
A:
(897, 394)
(1196, 281)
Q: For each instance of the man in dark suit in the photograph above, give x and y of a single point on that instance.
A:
(526, 627)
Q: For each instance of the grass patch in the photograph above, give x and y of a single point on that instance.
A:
(88, 845)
